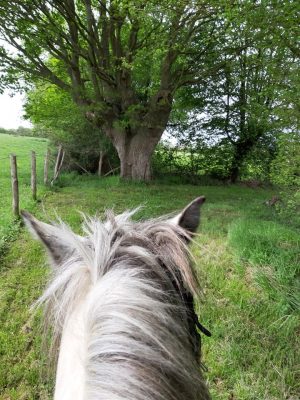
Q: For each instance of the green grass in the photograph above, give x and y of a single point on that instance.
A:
(273, 251)
(254, 350)
(22, 278)
(21, 146)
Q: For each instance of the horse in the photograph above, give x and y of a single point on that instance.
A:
(119, 303)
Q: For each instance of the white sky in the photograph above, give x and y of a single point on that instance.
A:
(11, 111)
(11, 108)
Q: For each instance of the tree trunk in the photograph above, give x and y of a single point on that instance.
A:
(135, 150)
(241, 150)
(234, 174)
(136, 142)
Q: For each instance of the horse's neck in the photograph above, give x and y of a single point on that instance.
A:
(70, 369)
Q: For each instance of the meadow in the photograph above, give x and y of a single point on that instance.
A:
(21, 146)
(248, 265)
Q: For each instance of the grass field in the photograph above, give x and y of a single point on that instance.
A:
(21, 146)
(248, 264)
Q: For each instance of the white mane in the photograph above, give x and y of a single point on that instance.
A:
(115, 306)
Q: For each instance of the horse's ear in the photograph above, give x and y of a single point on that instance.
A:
(52, 237)
(189, 218)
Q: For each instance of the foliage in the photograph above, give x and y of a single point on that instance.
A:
(256, 165)
(132, 50)
(58, 118)
(192, 164)
(253, 341)
(120, 61)
(286, 165)
(251, 97)
(286, 173)
(20, 131)
(198, 162)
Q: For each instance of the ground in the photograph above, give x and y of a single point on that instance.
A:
(248, 263)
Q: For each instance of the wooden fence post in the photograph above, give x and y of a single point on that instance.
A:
(33, 175)
(58, 164)
(100, 164)
(46, 167)
(14, 185)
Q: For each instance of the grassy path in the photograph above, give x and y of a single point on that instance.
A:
(254, 350)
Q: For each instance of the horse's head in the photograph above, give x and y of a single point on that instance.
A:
(121, 300)
(61, 243)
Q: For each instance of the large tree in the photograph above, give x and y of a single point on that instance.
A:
(253, 96)
(121, 60)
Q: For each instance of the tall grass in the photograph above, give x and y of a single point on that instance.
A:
(273, 250)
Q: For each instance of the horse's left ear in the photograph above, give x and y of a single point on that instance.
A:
(189, 218)
(52, 237)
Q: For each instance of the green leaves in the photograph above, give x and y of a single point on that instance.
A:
(249, 97)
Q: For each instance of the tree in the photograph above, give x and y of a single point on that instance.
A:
(251, 98)
(57, 117)
(122, 61)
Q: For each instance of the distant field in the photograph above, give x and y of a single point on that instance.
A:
(248, 263)
(21, 146)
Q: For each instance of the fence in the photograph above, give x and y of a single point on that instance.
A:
(33, 176)
(57, 162)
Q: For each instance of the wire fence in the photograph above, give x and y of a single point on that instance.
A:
(7, 158)
(22, 157)
(31, 170)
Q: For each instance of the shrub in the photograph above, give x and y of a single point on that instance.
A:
(285, 171)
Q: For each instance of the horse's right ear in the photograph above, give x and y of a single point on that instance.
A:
(52, 237)
(189, 218)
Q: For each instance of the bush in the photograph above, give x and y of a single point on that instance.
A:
(285, 172)
(214, 161)
(192, 164)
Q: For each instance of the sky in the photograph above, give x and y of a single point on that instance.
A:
(11, 111)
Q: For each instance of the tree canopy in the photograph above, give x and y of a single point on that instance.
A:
(122, 61)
